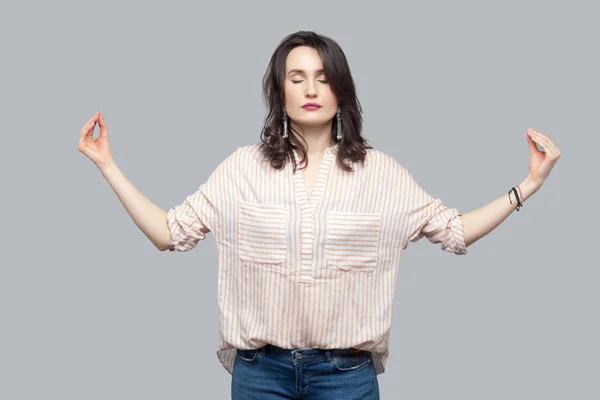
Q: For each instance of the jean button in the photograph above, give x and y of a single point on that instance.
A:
(298, 355)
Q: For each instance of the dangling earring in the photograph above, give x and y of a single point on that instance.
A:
(339, 123)
(285, 125)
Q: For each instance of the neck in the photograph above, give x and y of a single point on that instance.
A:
(317, 137)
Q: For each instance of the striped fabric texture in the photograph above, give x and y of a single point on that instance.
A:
(318, 272)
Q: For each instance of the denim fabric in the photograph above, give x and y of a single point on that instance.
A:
(316, 374)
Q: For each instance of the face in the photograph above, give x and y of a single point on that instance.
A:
(309, 84)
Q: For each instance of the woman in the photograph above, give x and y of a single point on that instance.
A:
(308, 256)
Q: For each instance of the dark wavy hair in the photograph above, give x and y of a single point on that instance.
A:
(277, 150)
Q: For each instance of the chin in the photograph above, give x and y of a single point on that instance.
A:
(313, 121)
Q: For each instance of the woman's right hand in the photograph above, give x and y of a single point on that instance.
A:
(98, 150)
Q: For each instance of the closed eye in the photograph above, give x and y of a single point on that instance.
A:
(322, 81)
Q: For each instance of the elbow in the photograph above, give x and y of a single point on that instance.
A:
(162, 246)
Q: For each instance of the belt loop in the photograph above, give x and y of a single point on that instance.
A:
(328, 355)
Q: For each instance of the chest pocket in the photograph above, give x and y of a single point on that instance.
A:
(352, 241)
(261, 233)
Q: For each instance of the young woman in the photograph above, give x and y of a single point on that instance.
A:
(308, 256)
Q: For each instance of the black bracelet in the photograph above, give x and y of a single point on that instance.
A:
(519, 205)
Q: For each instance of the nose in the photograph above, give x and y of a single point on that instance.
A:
(311, 89)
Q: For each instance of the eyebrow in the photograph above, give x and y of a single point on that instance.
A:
(302, 71)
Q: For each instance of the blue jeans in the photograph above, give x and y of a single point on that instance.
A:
(316, 374)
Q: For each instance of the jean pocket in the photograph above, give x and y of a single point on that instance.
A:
(246, 355)
(351, 361)
(352, 241)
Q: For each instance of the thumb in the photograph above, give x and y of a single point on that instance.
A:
(532, 147)
(102, 123)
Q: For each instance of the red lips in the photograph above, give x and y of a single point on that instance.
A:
(311, 105)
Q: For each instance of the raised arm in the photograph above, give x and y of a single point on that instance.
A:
(150, 218)
(481, 221)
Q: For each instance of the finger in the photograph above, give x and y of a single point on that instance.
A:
(549, 143)
(538, 139)
(535, 131)
(87, 129)
(102, 124)
(546, 142)
(532, 147)
(86, 125)
(543, 142)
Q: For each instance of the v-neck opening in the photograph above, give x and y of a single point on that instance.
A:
(318, 187)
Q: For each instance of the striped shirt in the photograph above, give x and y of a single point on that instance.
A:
(310, 273)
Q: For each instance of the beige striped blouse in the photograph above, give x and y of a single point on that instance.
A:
(310, 273)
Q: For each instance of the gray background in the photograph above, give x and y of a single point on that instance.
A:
(91, 310)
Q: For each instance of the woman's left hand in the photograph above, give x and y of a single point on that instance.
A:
(541, 162)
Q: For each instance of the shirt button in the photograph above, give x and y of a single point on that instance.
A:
(298, 355)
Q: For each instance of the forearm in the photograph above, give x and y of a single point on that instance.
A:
(151, 219)
(481, 221)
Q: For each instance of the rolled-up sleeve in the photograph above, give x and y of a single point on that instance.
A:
(185, 222)
(200, 212)
(428, 217)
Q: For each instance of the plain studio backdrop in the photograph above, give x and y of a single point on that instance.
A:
(90, 309)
